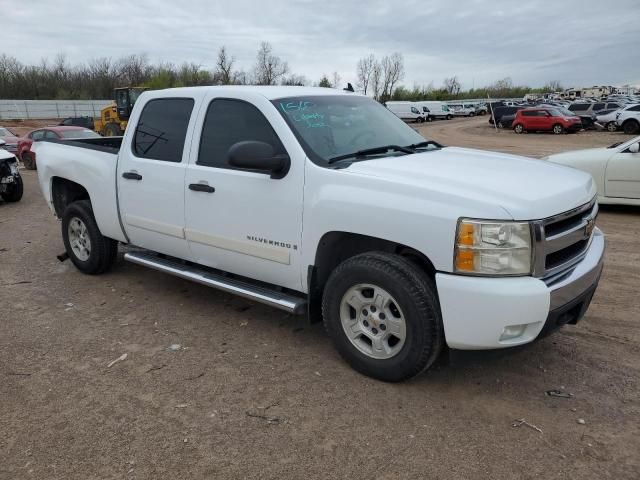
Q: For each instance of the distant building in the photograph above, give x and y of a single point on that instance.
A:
(593, 92)
(627, 90)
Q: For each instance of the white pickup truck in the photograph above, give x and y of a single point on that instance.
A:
(323, 202)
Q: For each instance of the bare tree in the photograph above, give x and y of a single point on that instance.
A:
(376, 81)
(296, 80)
(502, 87)
(269, 68)
(452, 85)
(224, 67)
(392, 73)
(336, 80)
(553, 86)
(365, 71)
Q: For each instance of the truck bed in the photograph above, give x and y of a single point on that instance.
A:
(92, 164)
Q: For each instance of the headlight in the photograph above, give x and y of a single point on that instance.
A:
(493, 248)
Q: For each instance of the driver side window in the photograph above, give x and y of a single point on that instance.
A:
(229, 121)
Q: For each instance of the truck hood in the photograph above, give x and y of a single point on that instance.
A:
(526, 188)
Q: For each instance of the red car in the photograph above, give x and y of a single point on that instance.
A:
(28, 157)
(545, 120)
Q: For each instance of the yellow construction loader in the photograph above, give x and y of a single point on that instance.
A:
(114, 117)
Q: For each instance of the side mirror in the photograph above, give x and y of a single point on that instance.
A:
(260, 156)
(635, 148)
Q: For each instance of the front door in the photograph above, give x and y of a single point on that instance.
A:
(623, 175)
(237, 220)
(151, 172)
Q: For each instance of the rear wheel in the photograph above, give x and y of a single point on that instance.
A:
(29, 160)
(87, 248)
(612, 126)
(14, 190)
(519, 128)
(383, 316)
(448, 117)
(472, 114)
(558, 129)
(112, 130)
(630, 127)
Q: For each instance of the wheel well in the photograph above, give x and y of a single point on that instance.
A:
(336, 247)
(64, 192)
(631, 120)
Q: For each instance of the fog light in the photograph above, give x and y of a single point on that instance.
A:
(512, 331)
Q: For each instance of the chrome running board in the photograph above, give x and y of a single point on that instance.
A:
(274, 298)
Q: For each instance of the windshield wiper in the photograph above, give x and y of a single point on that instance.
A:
(370, 151)
(414, 146)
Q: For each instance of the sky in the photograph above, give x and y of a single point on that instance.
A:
(580, 43)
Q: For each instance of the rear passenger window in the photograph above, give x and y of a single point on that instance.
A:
(529, 113)
(598, 106)
(162, 129)
(578, 107)
(228, 122)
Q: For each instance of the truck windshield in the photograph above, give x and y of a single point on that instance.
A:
(337, 125)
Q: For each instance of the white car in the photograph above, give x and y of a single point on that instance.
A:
(615, 169)
(608, 119)
(629, 119)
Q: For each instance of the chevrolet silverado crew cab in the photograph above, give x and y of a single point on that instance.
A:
(324, 203)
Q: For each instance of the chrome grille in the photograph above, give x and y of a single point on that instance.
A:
(561, 241)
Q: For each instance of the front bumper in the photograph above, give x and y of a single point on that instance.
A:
(481, 313)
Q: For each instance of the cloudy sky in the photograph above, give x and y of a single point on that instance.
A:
(579, 42)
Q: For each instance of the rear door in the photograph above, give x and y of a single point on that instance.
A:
(623, 175)
(151, 170)
(238, 220)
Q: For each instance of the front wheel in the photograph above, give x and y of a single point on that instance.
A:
(88, 249)
(519, 128)
(448, 117)
(382, 314)
(14, 191)
(558, 129)
(612, 126)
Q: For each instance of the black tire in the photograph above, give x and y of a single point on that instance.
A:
(103, 250)
(112, 130)
(630, 127)
(416, 297)
(558, 129)
(518, 128)
(29, 160)
(472, 114)
(15, 191)
(449, 117)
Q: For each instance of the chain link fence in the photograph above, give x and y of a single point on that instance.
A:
(45, 109)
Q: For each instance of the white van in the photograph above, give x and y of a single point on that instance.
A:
(407, 111)
(435, 109)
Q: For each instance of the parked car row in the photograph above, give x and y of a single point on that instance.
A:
(420, 111)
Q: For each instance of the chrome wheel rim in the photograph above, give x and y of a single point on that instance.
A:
(79, 239)
(557, 129)
(519, 128)
(612, 127)
(373, 321)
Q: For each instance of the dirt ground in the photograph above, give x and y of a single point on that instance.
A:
(250, 393)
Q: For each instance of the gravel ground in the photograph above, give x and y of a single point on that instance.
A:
(250, 393)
